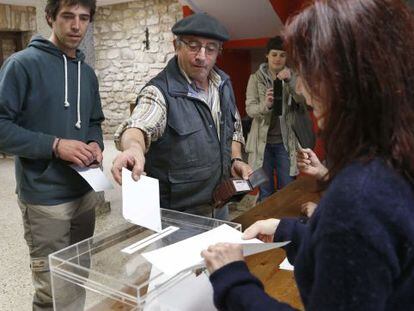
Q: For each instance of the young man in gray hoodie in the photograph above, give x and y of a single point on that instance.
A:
(50, 118)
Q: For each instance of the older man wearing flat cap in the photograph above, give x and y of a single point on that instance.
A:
(185, 129)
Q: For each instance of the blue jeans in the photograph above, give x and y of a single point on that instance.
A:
(275, 158)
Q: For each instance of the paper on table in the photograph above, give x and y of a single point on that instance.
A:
(185, 254)
(141, 201)
(95, 177)
(285, 265)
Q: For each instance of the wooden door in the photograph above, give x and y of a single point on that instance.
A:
(10, 42)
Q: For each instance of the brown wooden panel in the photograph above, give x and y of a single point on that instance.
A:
(284, 203)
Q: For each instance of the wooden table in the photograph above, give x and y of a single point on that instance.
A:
(278, 283)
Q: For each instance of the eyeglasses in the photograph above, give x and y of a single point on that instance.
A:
(195, 47)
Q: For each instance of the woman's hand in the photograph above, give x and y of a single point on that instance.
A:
(309, 164)
(284, 74)
(263, 230)
(269, 98)
(308, 208)
(221, 254)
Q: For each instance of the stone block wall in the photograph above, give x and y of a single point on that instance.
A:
(122, 63)
(42, 26)
(17, 18)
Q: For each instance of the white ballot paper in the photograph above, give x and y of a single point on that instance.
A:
(95, 177)
(141, 201)
(285, 265)
(185, 254)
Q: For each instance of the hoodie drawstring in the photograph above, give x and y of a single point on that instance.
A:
(66, 81)
(78, 123)
(67, 104)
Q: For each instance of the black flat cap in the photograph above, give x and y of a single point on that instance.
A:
(202, 25)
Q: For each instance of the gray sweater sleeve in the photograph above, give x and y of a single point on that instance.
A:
(14, 139)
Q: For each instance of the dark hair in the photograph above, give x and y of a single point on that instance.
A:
(275, 43)
(356, 57)
(53, 6)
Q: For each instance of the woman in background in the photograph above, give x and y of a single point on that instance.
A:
(271, 143)
(356, 69)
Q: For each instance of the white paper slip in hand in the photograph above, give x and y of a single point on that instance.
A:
(95, 177)
(185, 254)
(141, 201)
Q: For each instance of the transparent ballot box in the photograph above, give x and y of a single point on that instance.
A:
(109, 272)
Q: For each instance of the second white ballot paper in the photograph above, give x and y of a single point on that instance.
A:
(182, 255)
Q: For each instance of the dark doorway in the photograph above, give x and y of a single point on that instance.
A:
(10, 42)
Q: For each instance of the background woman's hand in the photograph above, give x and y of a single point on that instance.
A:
(284, 74)
(308, 208)
(269, 98)
(309, 164)
(221, 254)
(263, 230)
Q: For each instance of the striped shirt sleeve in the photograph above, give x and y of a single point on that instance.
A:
(149, 115)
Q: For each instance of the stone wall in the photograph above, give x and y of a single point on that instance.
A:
(17, 18)
(123, 65)
(42, 26)
(88, 46)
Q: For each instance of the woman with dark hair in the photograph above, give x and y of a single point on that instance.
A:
(356, 69)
